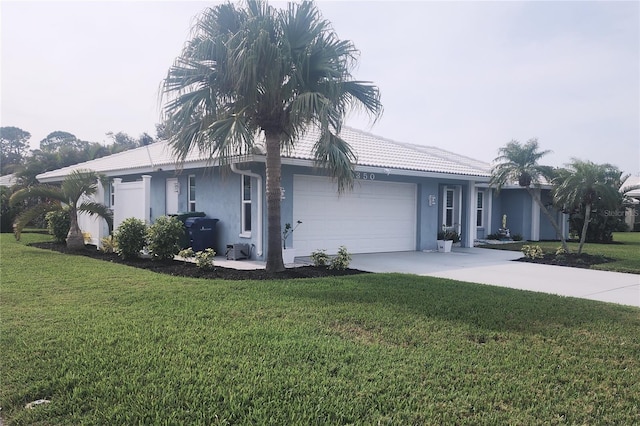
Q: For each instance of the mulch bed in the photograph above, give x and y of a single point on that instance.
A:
(182, 269)
(570, 259)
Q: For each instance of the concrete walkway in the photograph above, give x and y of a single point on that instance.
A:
(496, 267)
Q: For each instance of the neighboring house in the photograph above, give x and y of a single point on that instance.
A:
(8, 180)
(632, 213)
(403, 194)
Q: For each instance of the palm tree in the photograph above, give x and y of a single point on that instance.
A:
(76, 185)
(583, 184)
(259, 71)
(519, 163)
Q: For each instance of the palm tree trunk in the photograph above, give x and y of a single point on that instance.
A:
(548, 215)
(585, 226)
(75, 239)
(274, 231)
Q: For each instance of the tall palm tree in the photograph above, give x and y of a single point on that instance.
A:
(76, 185)
(583, 184)
(256, 70)
(519, 163)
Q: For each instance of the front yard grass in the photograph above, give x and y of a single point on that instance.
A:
(625, 251)
(110, 344)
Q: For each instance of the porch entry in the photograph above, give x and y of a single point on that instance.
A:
(452, 208)
(171, 196)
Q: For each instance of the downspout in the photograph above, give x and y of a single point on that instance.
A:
(234, 169)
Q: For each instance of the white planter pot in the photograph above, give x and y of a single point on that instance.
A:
(288, 255)
(444, 246)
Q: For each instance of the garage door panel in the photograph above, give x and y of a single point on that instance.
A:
(374, 217)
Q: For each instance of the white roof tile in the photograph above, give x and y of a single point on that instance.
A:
(370, 150)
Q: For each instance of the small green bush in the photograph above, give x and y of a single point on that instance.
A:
(342, 259)
(131, 236)
(58, 224)
(204, 259)
(532, 252)
(186, 254)
(517, 237)
(163, 237)
(320, 258)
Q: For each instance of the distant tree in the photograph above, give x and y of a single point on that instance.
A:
(14, 145)
(583, 185)
(66, 197)
(161, 132)
(60, 141)
(122, 141)
(145, 139)
(519, 163)
(254, 69)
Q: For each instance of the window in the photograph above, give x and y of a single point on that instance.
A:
(246, 205)
(480, 209)
(112, 194)
(192, 193)
(448, 213)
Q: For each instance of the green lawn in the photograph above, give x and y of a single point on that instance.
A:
(109, 344)
(626, 251)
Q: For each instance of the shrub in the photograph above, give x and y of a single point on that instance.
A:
(517, 237)
(7, 213)
(109, 244)
(532, 252)
(131, 237)
(163, 237)
(449, 234)
(204, 259)
(186, 254)
(320, 258)
(58, 224)
(342, 259)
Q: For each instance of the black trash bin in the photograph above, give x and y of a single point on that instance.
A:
(202, 232)
(185, 241)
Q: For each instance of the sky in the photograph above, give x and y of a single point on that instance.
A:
(464, 76)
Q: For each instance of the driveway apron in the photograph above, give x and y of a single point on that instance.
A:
(497, 267)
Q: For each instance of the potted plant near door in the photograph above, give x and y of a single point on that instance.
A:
(446, 238)
(288, 254)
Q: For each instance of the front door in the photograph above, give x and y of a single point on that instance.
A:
(172, 192)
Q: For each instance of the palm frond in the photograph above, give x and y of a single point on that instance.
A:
(32, 213)
(78, 183)
(49, 192)
(335, 155)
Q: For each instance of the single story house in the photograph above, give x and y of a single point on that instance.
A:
(403, 195)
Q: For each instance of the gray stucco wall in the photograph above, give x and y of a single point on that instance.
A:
(516, 204)
(218, 195)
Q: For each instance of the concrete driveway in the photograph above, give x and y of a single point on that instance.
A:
(496, 267)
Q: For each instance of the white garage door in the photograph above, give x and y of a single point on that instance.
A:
(375, 217)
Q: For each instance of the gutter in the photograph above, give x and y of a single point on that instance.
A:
(259, 244)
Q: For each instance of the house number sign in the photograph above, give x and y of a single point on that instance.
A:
(365, 176)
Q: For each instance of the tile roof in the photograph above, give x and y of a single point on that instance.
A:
(371, 150)
(376, 151)
(632, 181)
(8, 180)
